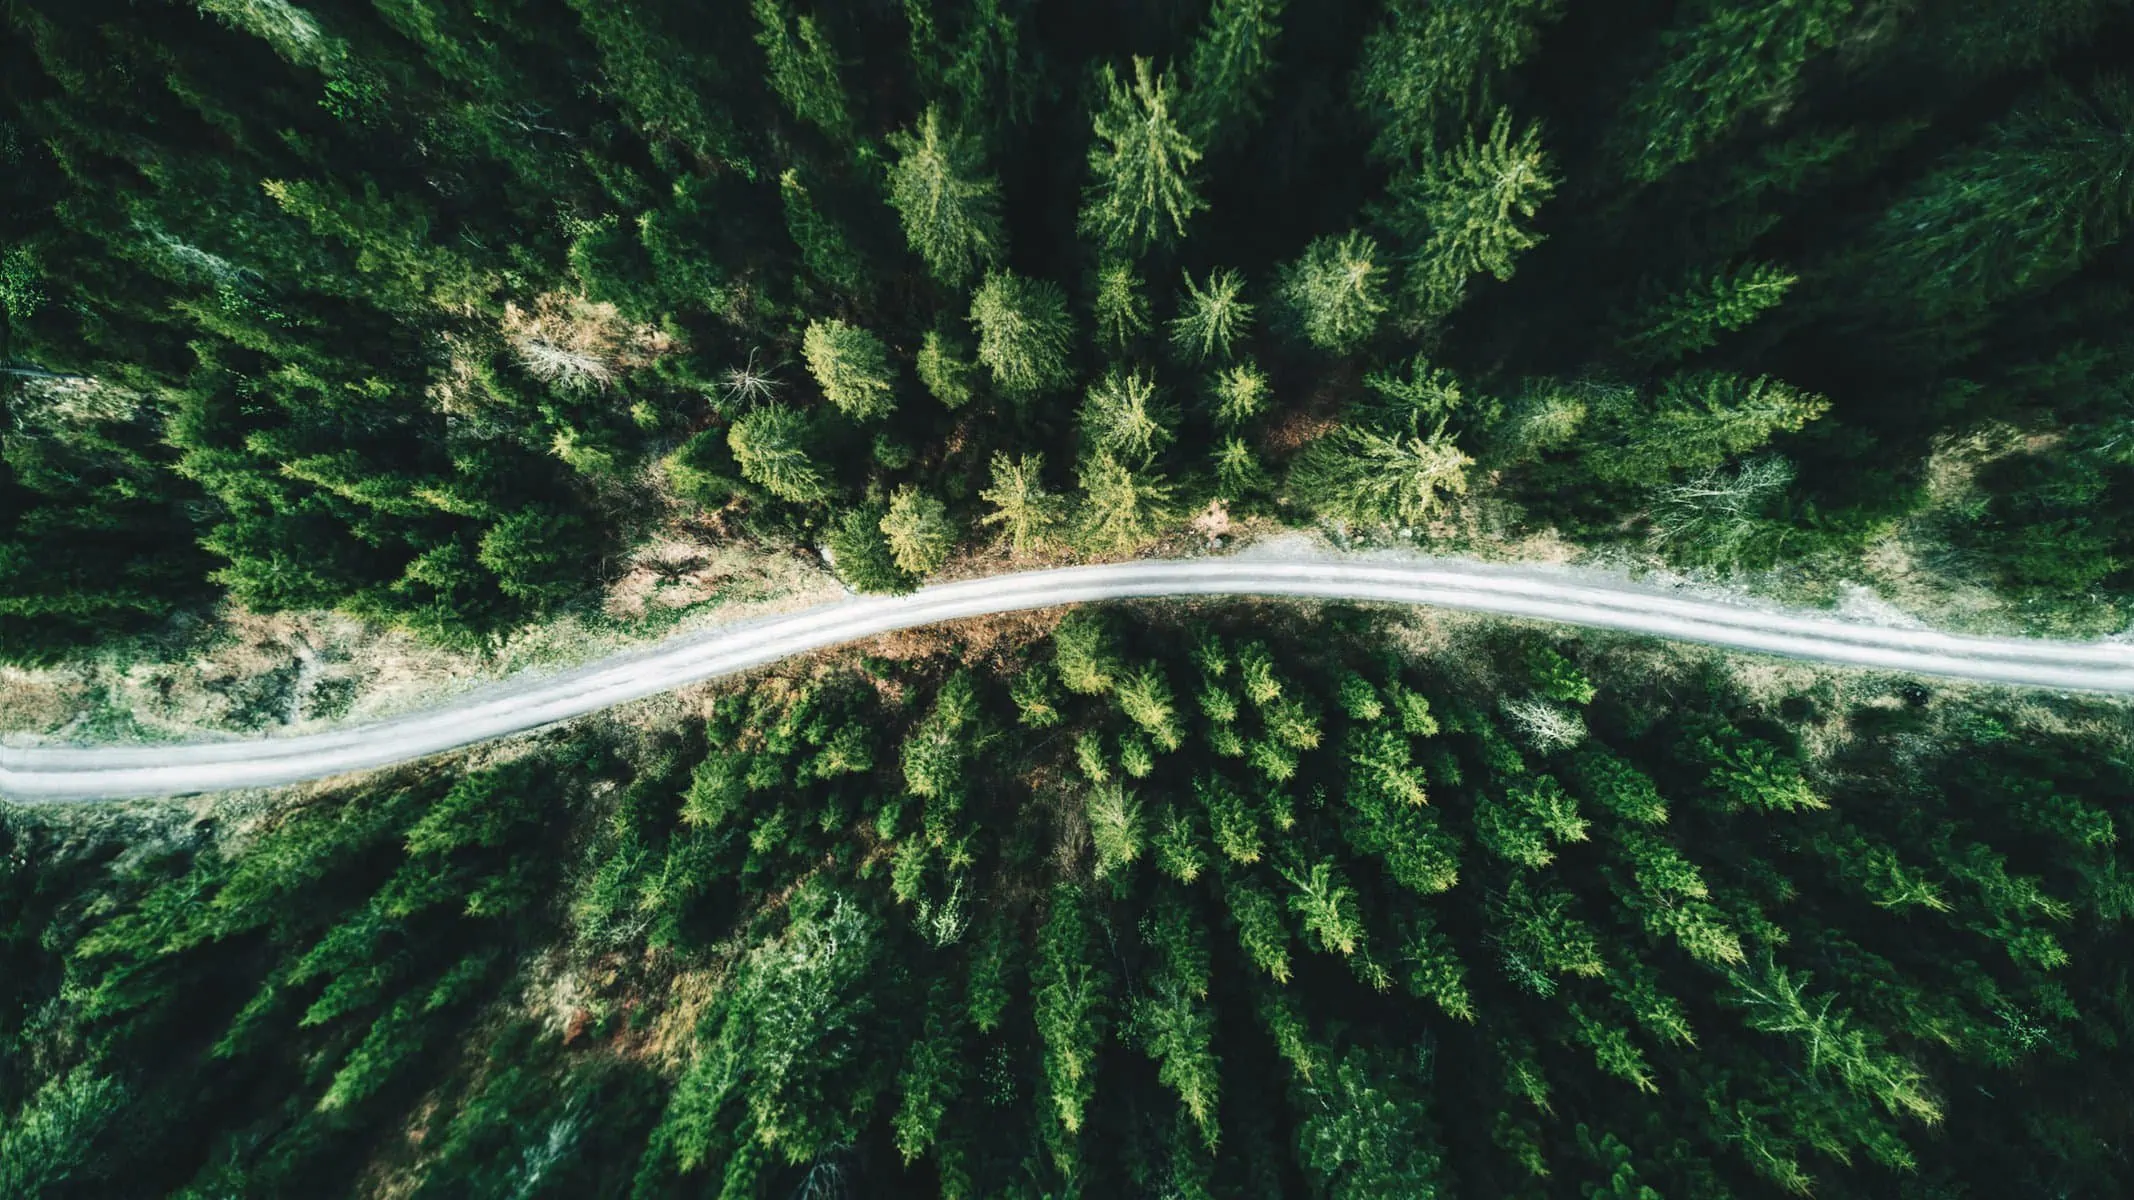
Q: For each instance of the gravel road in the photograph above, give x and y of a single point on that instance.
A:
(1569, 596)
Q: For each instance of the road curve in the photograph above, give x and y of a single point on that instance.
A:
(49, 773)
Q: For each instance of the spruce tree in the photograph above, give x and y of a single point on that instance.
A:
(1026, 512)
(1464, 211)
(918, 531)
(1024, 333)
(1364, 477)
(770, 446)
(1210, 319)
(851, 366)
(949, 205)
(1693, 318)
(1122, 415)
(1335, 292)
(1144, 190)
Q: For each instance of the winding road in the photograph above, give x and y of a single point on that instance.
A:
(520, 703)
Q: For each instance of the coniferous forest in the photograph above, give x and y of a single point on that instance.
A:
(1229, 906)
(429, 312)
(424, 310)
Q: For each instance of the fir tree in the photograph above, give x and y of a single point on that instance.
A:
(1692, 319)
(1122, 310)
(770, 446)
(1121, 506)
(1143, 190)
(1024, 333)
(1122, 416)
(1462, 213)
(851, 366)
(1365, 477)
(1334, 292)
(802, 67)
(1026, 512)
(918, 531)
(950, 206)
(1211, 318)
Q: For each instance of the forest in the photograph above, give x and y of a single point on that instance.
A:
(427, 312)
(1230, 902)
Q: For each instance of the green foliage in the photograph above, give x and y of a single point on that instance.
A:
(851, 366)
(1024, 333)
(949, 205)
(770, 445)
(1462, 213)
(1123, 416)
(1211, 319)
(943, 370)
(1733, 58)
(1335, 292)
(917, 531)
(1122, 505)
(1361, 476)
(1121, 306)
(1026, 512)
(1069, 1000)
(802, 67)
(1228, 69)
(861, 554)
(1699, 420)
(1685, 321)
(1428, 68)
(1142, 162)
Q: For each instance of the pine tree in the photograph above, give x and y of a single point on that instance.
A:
(1144, 695)
(1430, 67)
(1230, 819)
(1085, 653)
(803, 67)
(1241, 392)
(1121, 506)
(1122, 415)
(1122, 310)
(1335, 291)
(1692, 318)
(851, 366)
(950, 206)
(1228, 67)
(1027, 513)
(1364, 477)
(1326, 904)
(1068, 1000)
(1143, 190)
(1024, 333)
(824, 249)
(1210, 319)
(769, 444)
(1460, 214)
(1261, 933)
(1700, 419)
(918, 531)
(1238, 474)
(1114, 827)
(943, 370)
(1722, 61)
(860, 552)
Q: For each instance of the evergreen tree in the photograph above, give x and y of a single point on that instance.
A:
(1143, 190)
(1686, 321)
(1122, 311)
(851, 366)
(1334, 292)
(950, 206)
(1027, 513)
(917, 531)
(1731, 58)
(1460, 214)
(860, 553)
(1228, 69)
(944, 371)
(1700, 419)
(1359, 475)
(1024, 333)
(1122, 506)
(802, 67)
(1210, 319)
(1122, 416)
(1429, 68)
(770, 446)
